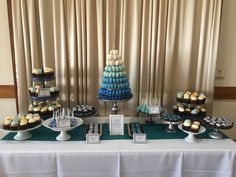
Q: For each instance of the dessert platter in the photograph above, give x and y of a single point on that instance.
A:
(146, 105)
(218, 123)
(191, 128)
(190, 104)
(170, 120)
(43, 93)
(135, 127)
(21, 124)
(94, 128)
(83, 111)
(62, 122)
(115, 84)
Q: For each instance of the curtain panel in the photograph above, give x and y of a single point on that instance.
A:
(166, 46)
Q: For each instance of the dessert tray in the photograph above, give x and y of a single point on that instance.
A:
(63, 136)
(135, 127)
(191, 138)
(21, 134)
(218, 123)
(170, 120)
(94, 128)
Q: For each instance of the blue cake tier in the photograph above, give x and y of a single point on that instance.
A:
(111, 80)
(121, 92)
(114, 68)
(115, 94)
(115, 86)
(114, 74)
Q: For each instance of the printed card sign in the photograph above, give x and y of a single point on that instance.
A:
(154, 110)
(92, 138)
(140, 138)
(63, 123)
(44, 92)
(116, 124)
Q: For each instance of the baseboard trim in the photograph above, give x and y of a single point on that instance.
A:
(7, 91)
(225, 93)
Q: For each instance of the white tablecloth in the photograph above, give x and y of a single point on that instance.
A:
(118, 158)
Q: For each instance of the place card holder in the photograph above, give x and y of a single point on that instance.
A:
(44, 92)
(116, 124)
(154, 109)
(139, 138)
(63, 123)
(92, 138)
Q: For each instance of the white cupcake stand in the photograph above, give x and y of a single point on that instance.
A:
(191, 138)
(21, 134)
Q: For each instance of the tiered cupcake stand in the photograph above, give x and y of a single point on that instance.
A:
(52, 96)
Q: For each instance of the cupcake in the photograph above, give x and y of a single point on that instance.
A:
(195, 128)
(31, 122)
(197, 123)
(15, 123)
(31, 108)
(44, 109)
(186, 125)
(28, 116)
(6, 123)
(37, 119)
(203, 111)
(48, 70)
(37, 71)
(187, 97)
(180, 96)
(193, 99)
(201, 98)
(37, 109)
(175, 109)
(181, 110)
(32, 91)
(187, 111)
(23, 124)
(195, 111)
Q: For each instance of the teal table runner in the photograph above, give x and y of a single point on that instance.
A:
(154, 131)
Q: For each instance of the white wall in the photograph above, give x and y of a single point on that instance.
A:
(7, 106)
(227, 61)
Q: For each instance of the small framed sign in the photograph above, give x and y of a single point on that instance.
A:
(154, 110)
(139, 138)
(63, 123)
(92, 138)
(116, 124)
(44, 92)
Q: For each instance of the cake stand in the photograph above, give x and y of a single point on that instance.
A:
(216, 134)
(171, 120)
(115, 109)
(21, 134)
(171, 126)
(191, 138)
(63, 136)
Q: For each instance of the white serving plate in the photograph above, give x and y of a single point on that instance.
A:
(21, 134)
(63, 136)
(191, 138)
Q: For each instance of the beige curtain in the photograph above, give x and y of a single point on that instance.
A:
(166, 46)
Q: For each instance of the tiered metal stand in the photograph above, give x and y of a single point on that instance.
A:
(115, 109)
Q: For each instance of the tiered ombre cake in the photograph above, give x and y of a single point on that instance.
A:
(115, 84)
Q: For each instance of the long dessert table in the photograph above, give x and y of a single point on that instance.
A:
(118, 158)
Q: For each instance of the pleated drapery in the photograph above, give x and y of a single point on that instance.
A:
(166, 46)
